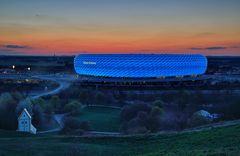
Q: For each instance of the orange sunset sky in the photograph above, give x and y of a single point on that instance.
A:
(69, 27)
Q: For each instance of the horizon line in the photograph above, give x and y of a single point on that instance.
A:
(107, 53)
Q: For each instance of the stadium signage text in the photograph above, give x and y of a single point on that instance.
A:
(84, 62)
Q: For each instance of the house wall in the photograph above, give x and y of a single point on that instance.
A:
(24, 123)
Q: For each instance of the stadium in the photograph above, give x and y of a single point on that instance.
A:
(140, 70)
(140, 65)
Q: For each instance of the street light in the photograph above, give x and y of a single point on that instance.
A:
(13, 66)
(28, 68)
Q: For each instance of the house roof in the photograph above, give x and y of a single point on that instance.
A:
(25, 111)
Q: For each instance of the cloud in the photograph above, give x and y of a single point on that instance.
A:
(215, 48)
(209, 48)
(196, 48)
(13, 49)
(15, 46)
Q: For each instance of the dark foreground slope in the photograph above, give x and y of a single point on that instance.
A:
(217, 141)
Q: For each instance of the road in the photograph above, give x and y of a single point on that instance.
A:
(59, 119)
(62, 86)
(64, 81)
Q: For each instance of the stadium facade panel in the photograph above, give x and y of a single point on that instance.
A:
(140, 65)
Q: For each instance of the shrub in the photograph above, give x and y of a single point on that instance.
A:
(72, 125)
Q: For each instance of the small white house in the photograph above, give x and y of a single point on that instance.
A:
(25, 122)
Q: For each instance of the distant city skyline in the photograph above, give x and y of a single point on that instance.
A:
(69, 27)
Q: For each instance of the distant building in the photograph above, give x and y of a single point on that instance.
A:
(25, 123)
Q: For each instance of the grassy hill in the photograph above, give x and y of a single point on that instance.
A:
(217, 141)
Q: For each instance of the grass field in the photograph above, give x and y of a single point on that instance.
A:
(217, 141)
(101, 118)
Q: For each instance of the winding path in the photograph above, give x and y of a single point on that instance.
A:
(62, 86)
(59, 119)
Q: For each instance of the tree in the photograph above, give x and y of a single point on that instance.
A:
(38, 115)
(41, 102)
(234, 110)
(142, 119)
(26, 103)
(17, 96)
(55, 102)
(158, 103)
(6, 98)
(199, 98)
(100, 98)
(48, 109)
(73, 106)
(83, 96)
(154, 119)
(156, 111)
(183, 99)
(120, 97)
(8, 118)
(132, 96)
(130, 111)
(143, 122)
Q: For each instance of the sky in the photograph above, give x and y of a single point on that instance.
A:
(70, 27)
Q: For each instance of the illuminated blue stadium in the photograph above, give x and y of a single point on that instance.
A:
(140, 65)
